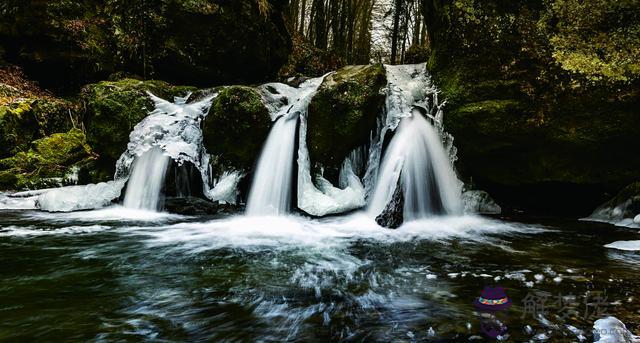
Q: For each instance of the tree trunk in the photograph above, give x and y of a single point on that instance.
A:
(397, 9)
(303, 13)
(320, 25)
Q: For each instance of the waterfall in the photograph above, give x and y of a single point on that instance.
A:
(146, 181)
(170, 132)
(271, 188)
(416, 159)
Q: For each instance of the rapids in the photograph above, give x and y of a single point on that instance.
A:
(122, 274)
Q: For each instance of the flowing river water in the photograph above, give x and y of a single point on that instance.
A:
(121, 274)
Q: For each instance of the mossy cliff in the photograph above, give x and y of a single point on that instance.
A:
(343, 114)
(543, 98)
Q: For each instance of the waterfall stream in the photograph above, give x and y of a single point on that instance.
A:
(419, 157)
(272, 185)
(416, 157)
(271, 188)
(146, 181)
(416, 160)
(170, 132)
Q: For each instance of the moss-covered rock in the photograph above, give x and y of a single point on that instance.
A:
(113, 108)
(17, 128)
(237, 126)
(343, 113)
(25, 119)
(51, 161)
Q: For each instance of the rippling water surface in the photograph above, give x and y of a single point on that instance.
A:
(115, 274)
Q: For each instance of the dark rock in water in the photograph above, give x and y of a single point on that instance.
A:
(191, 206)
(296, 81)
(477, 201)
(393, 215)
(625, 205)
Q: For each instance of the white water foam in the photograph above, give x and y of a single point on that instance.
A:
(294, 232)
(110, 213)
(32, 231)
(10, 202)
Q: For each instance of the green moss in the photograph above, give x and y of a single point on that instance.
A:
(49, 158)
(492, 107)
(343, 113)
(16, 128)
(113, 108)
(8, 179)
(24, 120)
(236, 126)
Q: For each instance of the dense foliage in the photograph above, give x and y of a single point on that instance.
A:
(543, 96)
(66, 43)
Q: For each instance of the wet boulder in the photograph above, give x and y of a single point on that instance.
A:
(191, 206)
(392, 216)
(113, 108)
(343, 114)
(477, 201)
(624, 207)
(236, 127)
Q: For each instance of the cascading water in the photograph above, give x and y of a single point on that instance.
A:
(174, 130)
(416, 158)
(271, 188)
(170, 132)
(146, 180)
